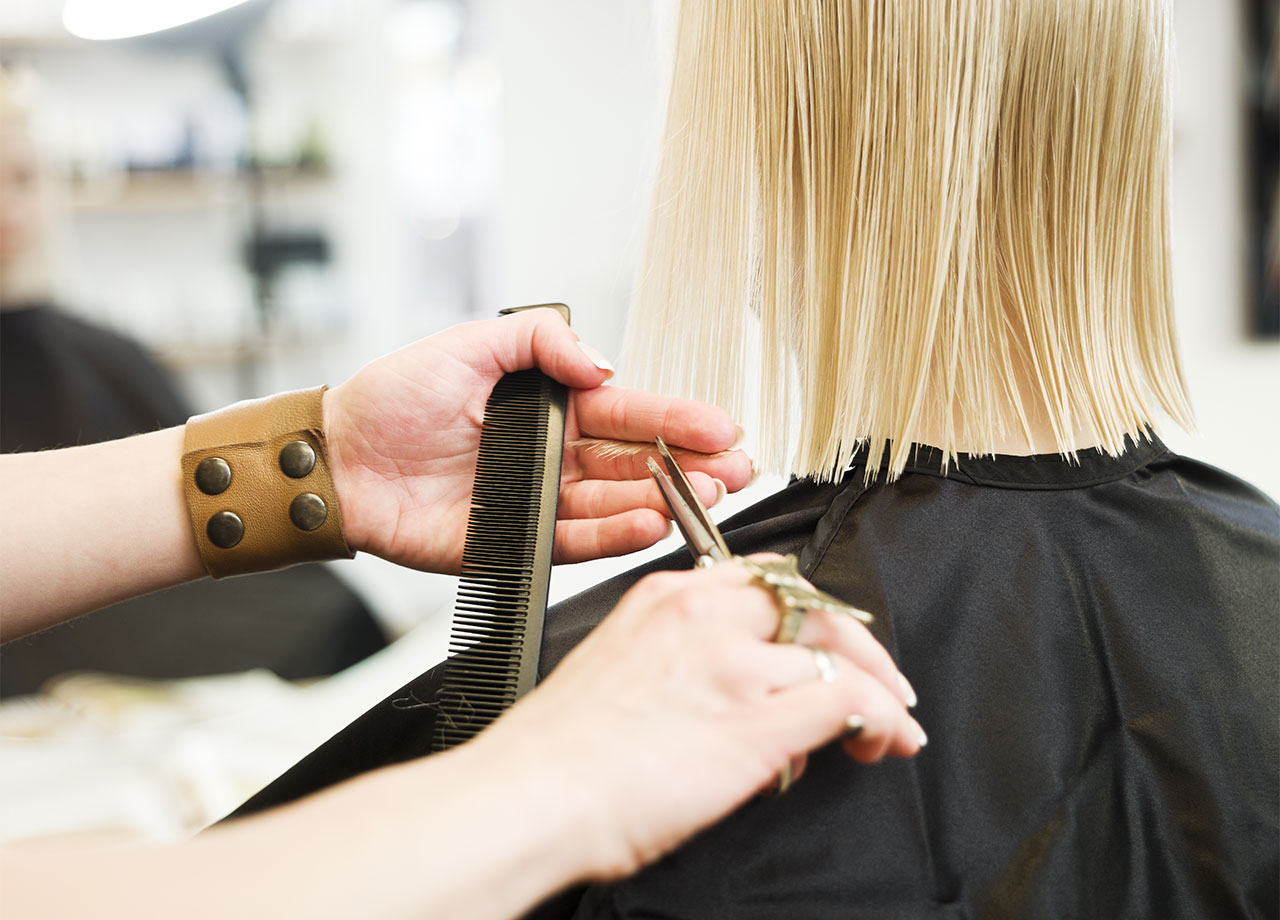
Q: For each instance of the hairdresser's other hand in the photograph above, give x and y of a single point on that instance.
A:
(678, 708)
(403, 434)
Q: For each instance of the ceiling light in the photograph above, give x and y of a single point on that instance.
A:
(102, 19)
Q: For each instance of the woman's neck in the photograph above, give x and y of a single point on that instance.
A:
(1037, 436)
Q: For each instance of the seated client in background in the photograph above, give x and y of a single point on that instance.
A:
(64, 382)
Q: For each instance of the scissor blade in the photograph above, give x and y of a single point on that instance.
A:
(702, 543)
(696, 508)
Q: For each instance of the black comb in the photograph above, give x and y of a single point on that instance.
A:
(506, 560)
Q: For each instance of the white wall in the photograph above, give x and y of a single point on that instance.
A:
(1235, 383)
(580, 127)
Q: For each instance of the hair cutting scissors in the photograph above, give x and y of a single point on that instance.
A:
(782, 577)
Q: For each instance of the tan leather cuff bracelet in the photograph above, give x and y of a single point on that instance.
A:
(259, 487)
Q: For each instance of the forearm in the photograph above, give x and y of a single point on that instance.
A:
(478, 833)
(460, 835)
(88, 526)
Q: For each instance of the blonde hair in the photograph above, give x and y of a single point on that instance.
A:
(889, 217)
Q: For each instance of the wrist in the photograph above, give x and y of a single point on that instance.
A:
(494, 821)
(566, 793)
(335, 429)
(259, 486)
(549, 821)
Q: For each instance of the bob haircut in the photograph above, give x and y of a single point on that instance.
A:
(881, 220)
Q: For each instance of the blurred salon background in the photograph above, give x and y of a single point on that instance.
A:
(270, 196)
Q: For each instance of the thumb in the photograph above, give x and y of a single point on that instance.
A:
(542, 339)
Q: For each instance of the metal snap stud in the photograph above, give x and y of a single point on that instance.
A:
(213, 475)
(225, 529)
(297, 459)
(308, 511)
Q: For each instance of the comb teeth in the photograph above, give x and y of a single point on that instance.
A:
(506, 559)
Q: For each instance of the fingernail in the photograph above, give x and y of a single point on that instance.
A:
(738, 437)
(908, 691)
(721, 491)
(853, 726)
(920, 735)
(597, 359)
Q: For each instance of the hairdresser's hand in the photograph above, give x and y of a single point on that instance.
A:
(403, 434)
(679, 707)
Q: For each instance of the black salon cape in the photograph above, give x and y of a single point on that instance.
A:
(1094, 645)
